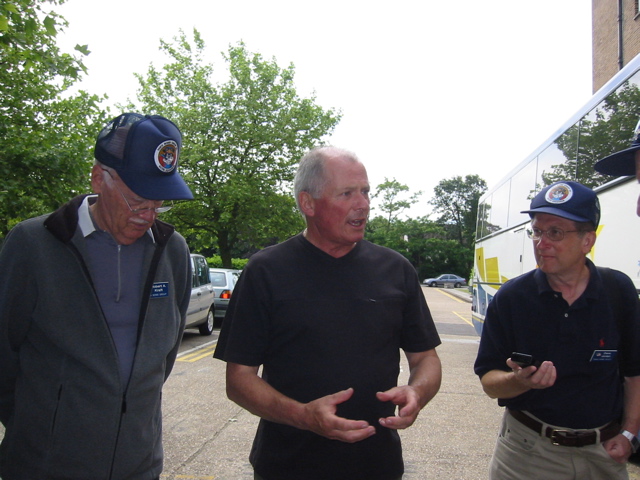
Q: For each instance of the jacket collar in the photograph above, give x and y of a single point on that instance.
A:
(64, 221)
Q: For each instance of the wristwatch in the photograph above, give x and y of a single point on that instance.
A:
(635, 443)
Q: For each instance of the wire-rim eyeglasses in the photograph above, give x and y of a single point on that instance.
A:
(137, 211)
(554, 234)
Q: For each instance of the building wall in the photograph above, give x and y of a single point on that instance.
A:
(605, 44)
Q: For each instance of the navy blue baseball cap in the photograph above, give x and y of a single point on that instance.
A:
(621, 163)
(570, 200)
(144, 151)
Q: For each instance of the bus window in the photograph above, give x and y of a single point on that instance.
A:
(522, 181)
(499, 212)
(552, 167)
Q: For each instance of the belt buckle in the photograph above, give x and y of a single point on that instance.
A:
(557, 433)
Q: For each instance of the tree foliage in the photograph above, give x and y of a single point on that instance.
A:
(428, 245)
(456, 200)
(45, 139)
(242, 140)
(609, 129)
(424, 243)
(392, 201)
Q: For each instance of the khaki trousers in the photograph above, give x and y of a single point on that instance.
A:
(521, 453)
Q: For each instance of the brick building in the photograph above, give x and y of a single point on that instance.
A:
(615, 37)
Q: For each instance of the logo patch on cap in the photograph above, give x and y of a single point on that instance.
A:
(559, 193)
(166, 156)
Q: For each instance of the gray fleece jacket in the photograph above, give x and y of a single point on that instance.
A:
(66, 412)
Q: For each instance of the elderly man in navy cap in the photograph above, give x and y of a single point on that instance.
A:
(557, 346)
(623, 163)
(93, 299)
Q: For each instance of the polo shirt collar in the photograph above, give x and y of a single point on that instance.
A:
(85, 222)
(593, 287)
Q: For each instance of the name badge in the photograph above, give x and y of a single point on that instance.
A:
(160, 289)
(604, 355)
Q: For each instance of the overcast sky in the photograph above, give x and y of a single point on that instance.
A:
(429, 90)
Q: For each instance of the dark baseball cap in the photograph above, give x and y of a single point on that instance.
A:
(570, 200)
(144, 151)
(621, 163)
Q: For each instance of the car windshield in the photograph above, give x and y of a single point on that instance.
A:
(218, 279)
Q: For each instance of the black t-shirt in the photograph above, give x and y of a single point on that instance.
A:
(319, 325)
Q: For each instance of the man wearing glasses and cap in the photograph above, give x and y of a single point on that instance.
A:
(624, 163)
(567, 415)
(93, 299)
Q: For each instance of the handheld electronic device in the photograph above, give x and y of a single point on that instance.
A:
(525, 360)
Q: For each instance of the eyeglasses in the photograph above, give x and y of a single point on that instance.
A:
(137, 211)
(553, 234)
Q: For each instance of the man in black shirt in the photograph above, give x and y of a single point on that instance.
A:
(326, 314)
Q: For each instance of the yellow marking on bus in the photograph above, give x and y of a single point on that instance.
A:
(492, 270)
(480, 263)
(198, 354)
(463, 318)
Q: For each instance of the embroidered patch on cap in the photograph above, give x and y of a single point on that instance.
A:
(166, 156)
(559, 193)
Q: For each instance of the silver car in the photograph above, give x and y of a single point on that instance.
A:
(201, 308)
(223, 281)
(446, 279)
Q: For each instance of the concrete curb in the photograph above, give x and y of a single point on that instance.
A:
(461, 293)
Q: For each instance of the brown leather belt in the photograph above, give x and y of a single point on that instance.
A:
(567, 437)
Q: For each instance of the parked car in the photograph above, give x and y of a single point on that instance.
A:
(446, 279)
(223, 281)
(201, 306)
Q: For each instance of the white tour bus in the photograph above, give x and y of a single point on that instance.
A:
(603, 126)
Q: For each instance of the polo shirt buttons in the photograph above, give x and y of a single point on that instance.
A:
(566, 315)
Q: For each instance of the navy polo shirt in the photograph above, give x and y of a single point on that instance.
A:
(582, 340)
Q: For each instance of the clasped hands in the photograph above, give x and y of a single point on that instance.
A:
(321, 418)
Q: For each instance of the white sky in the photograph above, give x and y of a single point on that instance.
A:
(428, 89)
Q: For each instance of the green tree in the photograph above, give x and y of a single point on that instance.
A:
(456, 200)
(392, 203)
(432, 247)
(241, 143)
(446, 256)
(387, 229)
(424, 243)
(45, 139)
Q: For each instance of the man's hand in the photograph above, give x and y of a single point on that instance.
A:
(618, 448)
(406, 399)
(537, 378)
(320, 417)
